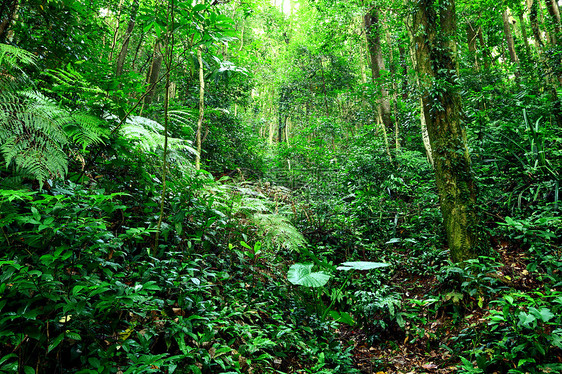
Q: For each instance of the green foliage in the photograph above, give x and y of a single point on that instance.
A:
(74, 289)
(303, 275)
(13, 58)
(35, 131)
(522, 331)
(378, 310)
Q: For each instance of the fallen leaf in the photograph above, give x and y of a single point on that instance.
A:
(429, 366)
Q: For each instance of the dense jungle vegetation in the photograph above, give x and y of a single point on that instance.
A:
(258, 186)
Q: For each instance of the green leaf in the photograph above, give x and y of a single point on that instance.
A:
(199, 7)
(302, 274)
(361, 265)
(7, 357)
(55, 342)
(342, 317)
(151, 286)
(28, 370)
(94, 362)
(544, 314)
(73, 335)
(526, 320)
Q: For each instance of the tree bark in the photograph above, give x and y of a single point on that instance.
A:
(509, 37)
(523, 28)
(435, 45)
(153, 73)
(533, 17)
(554, 11)
(201, 106)
(471, 36)
(128, 33)
(8, 10)
(373, 31)
(114, 39)
(413, 57)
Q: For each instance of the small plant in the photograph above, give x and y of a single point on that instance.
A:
(523, 329)
(302, 274)
(473, 281)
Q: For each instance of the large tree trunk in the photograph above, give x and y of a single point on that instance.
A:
(128, 33)
(423, 125)
(373, 31)
(435, 46)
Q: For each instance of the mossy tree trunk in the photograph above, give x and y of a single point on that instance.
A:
(435, 48)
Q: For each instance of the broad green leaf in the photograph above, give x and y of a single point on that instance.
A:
(302, 274)
(7, 357)
(361, 265)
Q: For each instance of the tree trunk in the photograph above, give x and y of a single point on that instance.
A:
(423, 125)
(169, 56)
(523, 28)
(125, 45)
(373, 31)
(533, 17)
(484, 48)
(404, 72)
(114, 39)
(8, 10)
(201, 106)
(435, 46)
(153, 73)
(509, 37)
(554, 11)
(471, 36)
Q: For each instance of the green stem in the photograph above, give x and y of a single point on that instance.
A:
(327, 310)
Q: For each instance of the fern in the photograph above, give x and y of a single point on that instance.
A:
(86, 130)
(148, 136)
(278, 231)
(13, 58)
(32, 135)
(34, 129)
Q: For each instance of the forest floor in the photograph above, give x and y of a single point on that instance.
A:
(404, 351)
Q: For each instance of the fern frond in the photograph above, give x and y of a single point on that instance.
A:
(147, 134)
(278, 231)
(13, 58)
(85, 129)
(184, 117)
(31, 134)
